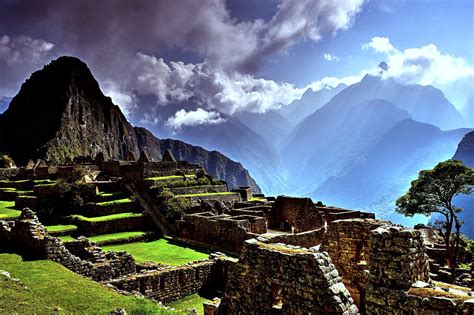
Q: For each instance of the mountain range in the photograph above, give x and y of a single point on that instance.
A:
(60, 112)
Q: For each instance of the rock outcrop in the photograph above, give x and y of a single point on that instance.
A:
(60, 113)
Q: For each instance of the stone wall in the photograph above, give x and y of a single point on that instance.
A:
(222, 231)
(198, 189)
(7, 173)
(303, 239)
(27, 236)
(299, 214)
(169, 283)
(348, 244)
(397, 261)
(282, 279)
(89, 228)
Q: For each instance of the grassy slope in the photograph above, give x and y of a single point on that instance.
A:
(191, 301)
(108, 217)
(160, 251)
(115, 236)
(170, 177)
(53, 287)
(61, 228)
(208, 194)
(115, 202)
(7, 210)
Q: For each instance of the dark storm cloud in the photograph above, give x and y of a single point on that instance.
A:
(115, 37)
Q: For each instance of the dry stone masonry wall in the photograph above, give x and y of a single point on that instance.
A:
(283, 279)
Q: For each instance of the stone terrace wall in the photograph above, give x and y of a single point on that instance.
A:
(280, 279)
(171, 283)
(397, 260)
(27, 236)
(6, 173)
(221, 231)
(89, 228)
(348, 244)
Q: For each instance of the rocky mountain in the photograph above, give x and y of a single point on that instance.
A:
(386, 171)
(468, 111)
(60, 112)
(309, 103)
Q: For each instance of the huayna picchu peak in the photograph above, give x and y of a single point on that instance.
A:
(61, 113)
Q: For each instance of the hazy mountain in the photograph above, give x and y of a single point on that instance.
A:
(385, 173)
(272, 126)
(60, 112)
(332, 139)
(468, 111)
(236, 140)
(424, 103)
(309, 103)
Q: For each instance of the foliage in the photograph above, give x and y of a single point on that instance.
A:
(433, 192)
(161, 251)
(209, 194)
(172, 207)
(51, 288)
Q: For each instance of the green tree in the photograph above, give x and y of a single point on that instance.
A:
(432, 193)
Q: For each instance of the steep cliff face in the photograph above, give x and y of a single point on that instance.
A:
(60, 113)
(465, 151)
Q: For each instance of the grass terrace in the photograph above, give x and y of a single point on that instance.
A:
(162, 251)
(115, 236)
(208, 194)
(66, 238)
(111, 194)
(8, 211)
(172, 177)
(48, 287)
(115, 202)
(190, 301)
(61, 228)
(20, 192)
(108, 217)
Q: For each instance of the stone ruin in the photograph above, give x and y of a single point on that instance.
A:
(282, 279)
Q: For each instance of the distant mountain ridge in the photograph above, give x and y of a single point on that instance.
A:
(60, 113)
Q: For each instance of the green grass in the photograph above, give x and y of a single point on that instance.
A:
(8, 211)
(61, 228)
(190, 301)
(51, 288)
(257, 200)
(108, 217)
(161, 251)
(208, 194)
(66, 238)
(111, 194)
(44, 181)
(172, 177)
(14, 181)
(115, 202)
(21, 192)
(115, 236)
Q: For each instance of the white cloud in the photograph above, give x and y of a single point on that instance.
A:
(194, 118)
(427, 65)
(332, 82)
(211, 88)
(126, 101)
(329, 57)
(23, 49)
(379, 44)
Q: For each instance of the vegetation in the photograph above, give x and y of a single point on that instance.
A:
(433, 192)
(51, 288)
(110, 217)
(179, 181)
(189, 302)
(161, 251)
(116, 202)
(170, 177)
(115, 236)
(111, 194)
(7, 210)
(61, 228)
(209, 194)
(171, 206)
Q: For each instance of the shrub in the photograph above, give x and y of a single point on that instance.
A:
(6, 161)
(171, 206)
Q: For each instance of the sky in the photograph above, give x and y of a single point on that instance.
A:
(208, 59)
